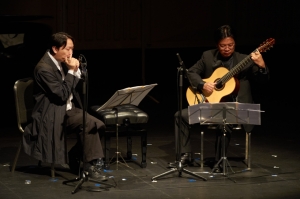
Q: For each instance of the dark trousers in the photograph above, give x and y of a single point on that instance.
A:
(92, 145)
(185, 141)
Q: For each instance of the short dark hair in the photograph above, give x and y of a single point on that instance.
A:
(223, 32)
(58, 40)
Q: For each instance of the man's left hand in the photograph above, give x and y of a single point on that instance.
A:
(258, 59)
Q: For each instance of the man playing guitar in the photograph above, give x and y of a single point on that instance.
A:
(221, 74)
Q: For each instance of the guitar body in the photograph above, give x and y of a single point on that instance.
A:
(217, 94)
(194, 97)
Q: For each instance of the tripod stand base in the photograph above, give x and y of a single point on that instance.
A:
(117, 162)
(177, 166)
(84, 178)
(225, 165)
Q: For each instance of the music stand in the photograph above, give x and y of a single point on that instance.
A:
(130, 95)
(224, 114)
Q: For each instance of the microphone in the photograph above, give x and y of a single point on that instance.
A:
(185, 75)
(82, 61)
(181, 62)
(179, 58)
(82, 66)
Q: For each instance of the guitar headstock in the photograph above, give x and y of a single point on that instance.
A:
(266, 45)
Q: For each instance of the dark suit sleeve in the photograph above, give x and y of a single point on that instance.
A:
(201, 70)
(50, 82)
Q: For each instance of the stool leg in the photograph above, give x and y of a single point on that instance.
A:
(129, 147)
(107, 150)
(118, 153)
(144, 149)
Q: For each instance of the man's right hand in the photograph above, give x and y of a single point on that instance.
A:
(208, 87)
(72, 63)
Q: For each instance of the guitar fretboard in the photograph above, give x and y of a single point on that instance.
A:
(235, 70)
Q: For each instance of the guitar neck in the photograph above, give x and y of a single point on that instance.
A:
(236, 69)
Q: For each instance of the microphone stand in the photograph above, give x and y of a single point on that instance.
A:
(178, 166)
(84, 176)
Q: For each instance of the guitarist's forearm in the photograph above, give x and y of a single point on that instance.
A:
(195, 80)
(258, 59)
(200, 87)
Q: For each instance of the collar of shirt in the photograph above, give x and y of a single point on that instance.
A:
(55, 61)
(58, 65)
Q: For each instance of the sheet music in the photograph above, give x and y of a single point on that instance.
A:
(129, 95)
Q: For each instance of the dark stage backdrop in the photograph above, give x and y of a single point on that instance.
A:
(134, 42)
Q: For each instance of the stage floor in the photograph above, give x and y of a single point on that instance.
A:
(274, 171)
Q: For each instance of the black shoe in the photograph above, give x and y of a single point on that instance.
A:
(98, 163)
(217, 169)
(186, 159)
(96, 173)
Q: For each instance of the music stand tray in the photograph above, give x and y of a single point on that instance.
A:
(224, 113)
(130, 95)
(213, 113)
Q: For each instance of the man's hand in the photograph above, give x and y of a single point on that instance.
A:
(258, 59)
(72, 63)
(208, 87)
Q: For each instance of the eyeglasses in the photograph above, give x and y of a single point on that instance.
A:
(223, 46)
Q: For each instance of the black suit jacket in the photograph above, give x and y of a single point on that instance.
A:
(43, 138)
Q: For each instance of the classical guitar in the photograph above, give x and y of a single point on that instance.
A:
(224, 79)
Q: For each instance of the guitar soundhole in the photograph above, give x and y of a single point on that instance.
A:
(219, 86)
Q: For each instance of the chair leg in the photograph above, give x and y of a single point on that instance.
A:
(129, 147)
(39, 163)
(16, 157)
(52, 170)
(248, 150)
(201, 152)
